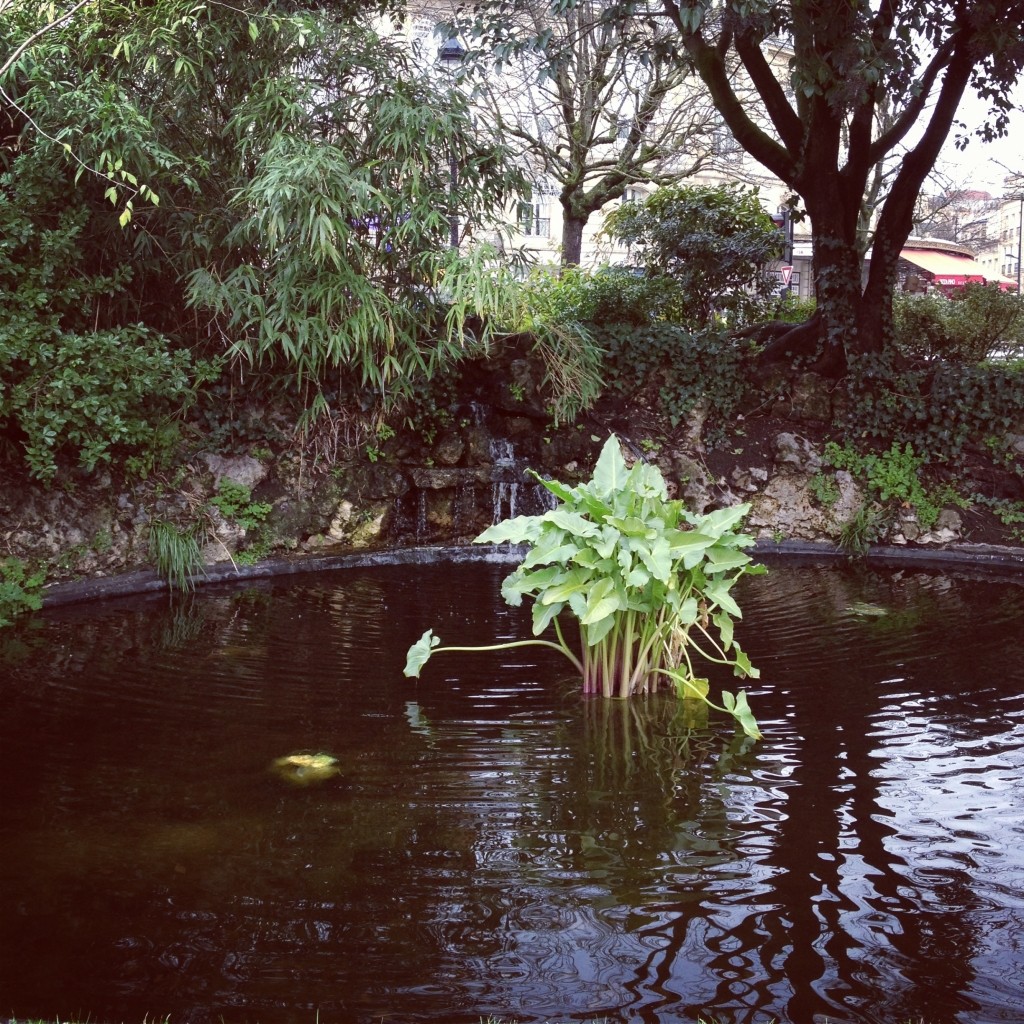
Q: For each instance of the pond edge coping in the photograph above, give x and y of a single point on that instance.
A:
(987, 559)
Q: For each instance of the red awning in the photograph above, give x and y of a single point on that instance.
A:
(945, 267)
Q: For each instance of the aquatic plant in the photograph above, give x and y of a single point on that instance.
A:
(647, 582)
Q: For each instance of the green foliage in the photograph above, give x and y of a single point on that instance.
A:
(175, 553)
(290, 166)
(789, 307)
(824, 489)
(977, 322)
(73, 386)
(234, 502)
(1009, 513)
(938, 409)
(893, 476)
(689, 367)
(714, 241)
(860, 531)
(609, 294)
(19, 589)
(647, 582)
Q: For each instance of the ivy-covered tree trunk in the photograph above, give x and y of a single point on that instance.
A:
(572, 237)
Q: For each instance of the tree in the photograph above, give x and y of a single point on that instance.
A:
(712, 240)
(592, 105)
(295, 170)
(824, 141)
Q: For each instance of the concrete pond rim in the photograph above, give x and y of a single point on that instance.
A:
(990, 561)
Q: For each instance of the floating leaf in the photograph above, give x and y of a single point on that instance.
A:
(305, 769)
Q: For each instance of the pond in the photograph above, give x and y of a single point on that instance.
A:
(493, 843)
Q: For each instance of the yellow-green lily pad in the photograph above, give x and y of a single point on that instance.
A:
(305, 769)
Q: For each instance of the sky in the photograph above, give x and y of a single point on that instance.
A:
(983, 166)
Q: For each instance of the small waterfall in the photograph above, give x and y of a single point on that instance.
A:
(506, 477)
(464, 510)
(503, 500)
(421, 516)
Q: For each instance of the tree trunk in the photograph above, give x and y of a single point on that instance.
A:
(572, 238)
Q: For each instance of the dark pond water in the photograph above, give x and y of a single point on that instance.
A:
(495, 844)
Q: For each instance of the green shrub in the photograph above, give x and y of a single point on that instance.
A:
(74, 385)
(973, 324)
(689, 367)
(713, 241)
(19, 589)
(175, 553)
(892, 476)
(234, 502)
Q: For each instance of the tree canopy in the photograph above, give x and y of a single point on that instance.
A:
(591, 105)
(280, 169)
(823, 138)
(714, 241)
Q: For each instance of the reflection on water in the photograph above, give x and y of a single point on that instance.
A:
(495, 844)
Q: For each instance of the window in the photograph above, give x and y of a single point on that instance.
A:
(534, 218)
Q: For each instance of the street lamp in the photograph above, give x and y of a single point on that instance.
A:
(451, 54)
(1018, 182)
(1020, 236)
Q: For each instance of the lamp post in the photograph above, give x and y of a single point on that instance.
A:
(1020, 236)
(451, 54)
(1018, 182)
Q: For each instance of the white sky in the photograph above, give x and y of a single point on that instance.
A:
(982, 165)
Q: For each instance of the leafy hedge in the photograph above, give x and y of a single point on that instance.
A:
(690, 367)
(72, 385)
(939, 409)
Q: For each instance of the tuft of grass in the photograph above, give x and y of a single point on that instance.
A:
(175, 554)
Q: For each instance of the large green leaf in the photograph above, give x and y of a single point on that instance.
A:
(544, 554)
(599, 630)
(602, 600)
(573, 522)
(611, 471)
(419, 653)
(723, 622)
(740, 710)
(721, 559)
(543, 614)
(632, 526)
(559, 490)
(717, 591)
(658, 559)
(716, 523)
(522, 529)
(572, 582)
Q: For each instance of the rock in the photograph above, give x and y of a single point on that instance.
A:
(748, 480)
(449, 450)
(810, 399)
(693, 429)
(786, 506)
(239, 469)
(795, 454)
(692, 481)
(438, 478)
(358, 527)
